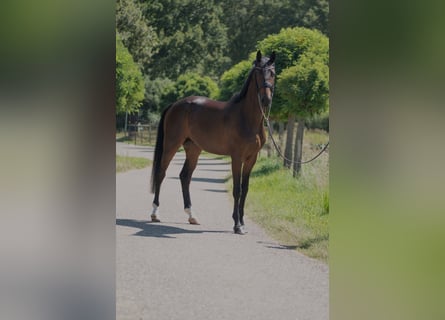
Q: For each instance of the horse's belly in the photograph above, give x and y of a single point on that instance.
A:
(216, 148)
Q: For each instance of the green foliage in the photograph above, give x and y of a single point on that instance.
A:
(315, 15)
(161, 92)
(319, 121)
(193, 84)
(249, 21)
(169, 38)
(233, 79)
(192, 37)
(306, 86)
(291, 43)
(136, 33)
(129, 81)
(157, 93)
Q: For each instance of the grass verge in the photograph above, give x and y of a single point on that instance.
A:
(124, 163)
(295, 211)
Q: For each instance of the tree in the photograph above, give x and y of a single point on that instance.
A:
(193, 84)
(192, 37)
(129, 80)
(155, 99)
(249, 21)
(290, 45)
(156, 94)
(306, 88)
(137, 35)
(315, 15)
(233, 79)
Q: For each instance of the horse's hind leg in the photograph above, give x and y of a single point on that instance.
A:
(192, 152)
(170, 148)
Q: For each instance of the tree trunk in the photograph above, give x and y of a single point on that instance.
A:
(289, 139)
(269, 145)
(125, 126)
(280, 134)
(298, 147)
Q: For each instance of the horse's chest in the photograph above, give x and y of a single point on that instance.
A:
(254, 142)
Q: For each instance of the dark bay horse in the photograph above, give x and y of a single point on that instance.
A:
(234, 128)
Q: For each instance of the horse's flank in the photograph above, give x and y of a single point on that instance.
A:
(217, 127)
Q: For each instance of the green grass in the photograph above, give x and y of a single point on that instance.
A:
(295, 211)
(124, 163)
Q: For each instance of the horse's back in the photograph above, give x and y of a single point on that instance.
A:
(200, 102)
(202, 120)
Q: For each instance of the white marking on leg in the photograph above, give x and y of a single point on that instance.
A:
(154, 212)
(192, 217)
(189, 212)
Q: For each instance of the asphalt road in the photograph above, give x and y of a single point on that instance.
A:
(173, 270)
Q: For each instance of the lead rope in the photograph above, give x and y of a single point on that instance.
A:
(275, 143)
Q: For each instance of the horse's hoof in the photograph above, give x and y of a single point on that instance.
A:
(154, 218)
(193, 220)
(239, 230)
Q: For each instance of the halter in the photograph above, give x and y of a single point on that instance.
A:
(266, 84)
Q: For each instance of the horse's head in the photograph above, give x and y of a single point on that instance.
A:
(265, 78)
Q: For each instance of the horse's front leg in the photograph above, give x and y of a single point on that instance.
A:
(247, 168)
(236, 175)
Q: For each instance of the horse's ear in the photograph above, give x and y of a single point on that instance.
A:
(271, 59)
(258, 56)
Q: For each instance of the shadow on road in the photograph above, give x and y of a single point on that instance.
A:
(212, 163)
(209, 180)
(277, 246)
(214, 170)
(216, 190)
(149, 229)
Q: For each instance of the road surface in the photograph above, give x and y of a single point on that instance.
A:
(173, 270)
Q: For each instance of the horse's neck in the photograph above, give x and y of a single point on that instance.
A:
(251, 108)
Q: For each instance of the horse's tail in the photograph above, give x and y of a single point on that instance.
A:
(159, 150)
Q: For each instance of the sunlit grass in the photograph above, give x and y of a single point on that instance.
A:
(295, 211)
(124, 163)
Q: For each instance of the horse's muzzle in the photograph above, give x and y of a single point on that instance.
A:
(265, 101)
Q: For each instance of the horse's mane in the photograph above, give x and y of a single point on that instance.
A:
(237, 97)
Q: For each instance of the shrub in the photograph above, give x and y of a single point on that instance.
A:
(233, 79)
(193, 84)
(319, 121)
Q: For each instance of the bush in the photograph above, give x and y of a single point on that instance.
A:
(156, 93)
(319, 121)
(233, 79)
(129, 81)
(193, 84)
